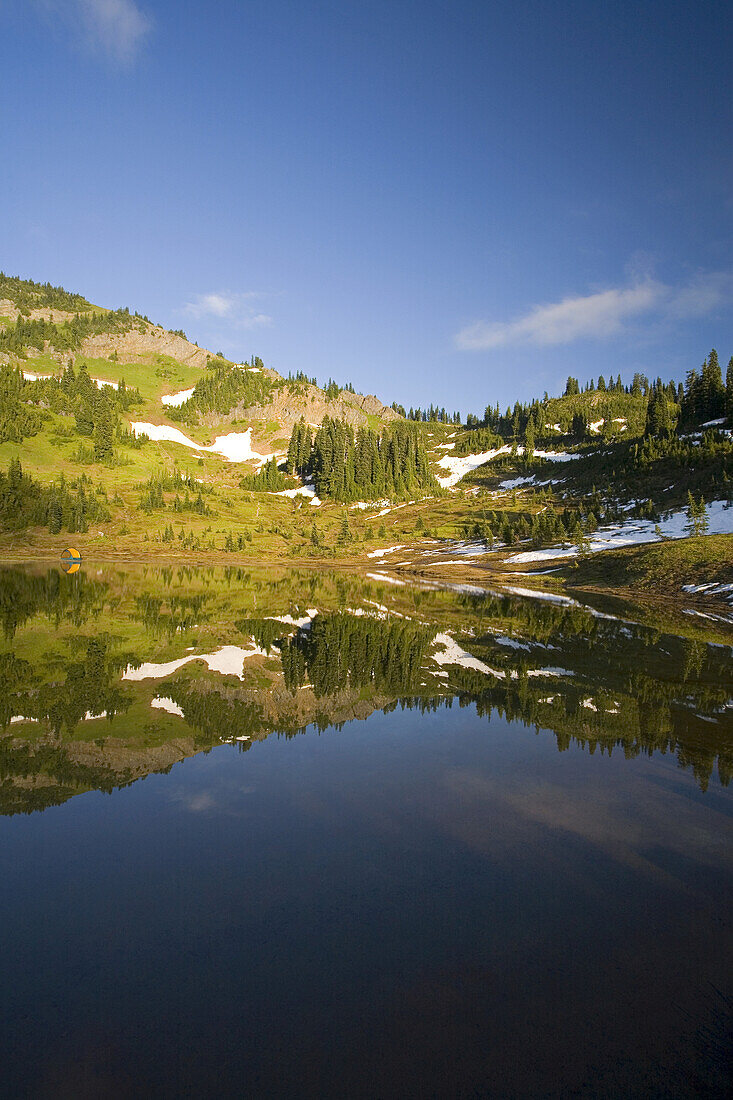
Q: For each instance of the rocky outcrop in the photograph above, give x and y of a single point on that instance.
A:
(140, 347)
(292, 401)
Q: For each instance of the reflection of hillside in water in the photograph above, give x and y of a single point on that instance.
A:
(106, 679)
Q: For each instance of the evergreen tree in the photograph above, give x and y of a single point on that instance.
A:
(103, 435)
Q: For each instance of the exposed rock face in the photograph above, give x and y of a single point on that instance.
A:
(288, 405)
(139, 347)
(45, 313)
(126, 761)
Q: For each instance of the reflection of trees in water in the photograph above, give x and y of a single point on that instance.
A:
(620, 722)
(652, 692)
(340, 651)
(22, 762)
(213, 713)
(59, 597)
(171, 615)
(89, 687)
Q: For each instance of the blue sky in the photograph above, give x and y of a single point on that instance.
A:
(451, 202)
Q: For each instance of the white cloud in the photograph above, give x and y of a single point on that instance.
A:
(237, 309)
(115, 29)
(599, 315)
(702, 295)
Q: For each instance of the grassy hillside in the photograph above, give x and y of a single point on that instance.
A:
(136, 441)
(660, 567)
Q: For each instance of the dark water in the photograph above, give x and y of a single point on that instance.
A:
(469, 844)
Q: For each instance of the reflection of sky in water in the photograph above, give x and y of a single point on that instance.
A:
(431, 902)
(416, 896)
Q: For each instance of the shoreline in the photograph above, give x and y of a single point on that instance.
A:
(472, 573)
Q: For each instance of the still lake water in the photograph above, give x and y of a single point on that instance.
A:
(297, 834)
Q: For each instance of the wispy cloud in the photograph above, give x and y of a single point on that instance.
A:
(601, 314)
(113, 29)
(239, 310)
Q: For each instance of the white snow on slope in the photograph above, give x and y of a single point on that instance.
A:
(385, 550)
(301, 491)
(164, 433)
(229, 661)
(460, 465)
(637, 532)
(474, 548)
(30, 377)
(235, 447)
(384, 577)
(711, 589)
(177, 399)
(553, 456)
(515, 482)
(598, 424)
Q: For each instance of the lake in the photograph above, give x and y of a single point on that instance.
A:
(293, 833)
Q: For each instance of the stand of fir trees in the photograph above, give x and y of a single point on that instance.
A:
(225, 387)
(348, 466)
(96, 410)
(269, 479)
(63, 505)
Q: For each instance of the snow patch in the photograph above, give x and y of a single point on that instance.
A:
(177, 399)
(636, 533)
(235, 447)
(385, 550)
(30, 377)
(460, 465)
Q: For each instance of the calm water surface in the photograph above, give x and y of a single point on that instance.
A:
(310, 835)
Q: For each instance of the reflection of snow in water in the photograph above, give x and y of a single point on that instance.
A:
(229, 661)
(168, 705)
(451, 653)
(301, 623)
